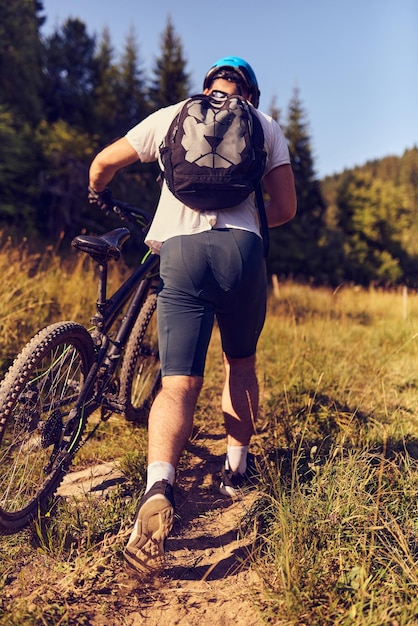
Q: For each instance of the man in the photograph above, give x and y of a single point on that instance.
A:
(211, 265)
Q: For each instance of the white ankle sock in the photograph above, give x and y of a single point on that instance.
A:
(237, 458)
(159, 470)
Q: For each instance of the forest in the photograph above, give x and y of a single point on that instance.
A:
(65, 96)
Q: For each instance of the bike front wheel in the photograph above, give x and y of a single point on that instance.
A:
(39, 428)
(140, 376)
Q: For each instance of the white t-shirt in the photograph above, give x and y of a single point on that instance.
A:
(173, 218)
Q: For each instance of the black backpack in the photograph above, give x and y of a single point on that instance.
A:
(213, 153)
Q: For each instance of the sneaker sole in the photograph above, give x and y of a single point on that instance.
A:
(237, 492)
(232, 492)
(145, 554)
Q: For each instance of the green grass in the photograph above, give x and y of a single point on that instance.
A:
(335, 529)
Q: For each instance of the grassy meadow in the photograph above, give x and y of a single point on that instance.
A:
(335, 527)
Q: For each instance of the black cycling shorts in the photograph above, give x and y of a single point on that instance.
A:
(222, 273)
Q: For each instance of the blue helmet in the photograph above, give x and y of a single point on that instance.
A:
(240, 67)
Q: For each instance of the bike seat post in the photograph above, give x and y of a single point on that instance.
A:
(101, 294)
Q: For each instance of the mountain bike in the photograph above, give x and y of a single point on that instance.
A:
(66, 372)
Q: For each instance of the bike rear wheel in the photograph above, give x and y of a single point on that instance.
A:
(38, 432)
(140, 377)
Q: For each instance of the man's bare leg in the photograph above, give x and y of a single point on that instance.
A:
(169, 428)
(171, 418)
(240, 408)
(240, 400)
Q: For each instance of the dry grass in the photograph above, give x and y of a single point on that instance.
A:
(336, 521)
(338, 526)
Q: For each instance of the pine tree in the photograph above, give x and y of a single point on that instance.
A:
(136, 184)
(21, 59)
(296, 247)
(274, 110)
(105, 91)
(171, 83)
(20, 161)
(132, 89)
(70, 71)
(20, 111)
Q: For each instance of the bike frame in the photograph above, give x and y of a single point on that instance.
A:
(136, 287)
(67, 371)
(138, 284)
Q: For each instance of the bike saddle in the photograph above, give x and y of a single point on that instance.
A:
(102, 248)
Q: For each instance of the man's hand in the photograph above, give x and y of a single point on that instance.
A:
(102, 199)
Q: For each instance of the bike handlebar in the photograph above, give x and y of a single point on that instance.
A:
(130, 213)
(126, 212)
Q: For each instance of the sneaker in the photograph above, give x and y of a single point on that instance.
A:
(144, 551)
(234, 484)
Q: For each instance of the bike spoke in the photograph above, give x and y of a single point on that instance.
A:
(31, 443)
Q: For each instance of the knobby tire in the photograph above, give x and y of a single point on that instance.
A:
(140, 377)
(38, 438)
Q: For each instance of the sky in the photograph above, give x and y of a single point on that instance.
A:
(354, 62)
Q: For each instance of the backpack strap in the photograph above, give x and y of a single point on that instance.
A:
(259, 200)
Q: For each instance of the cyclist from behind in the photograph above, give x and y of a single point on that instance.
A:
(212, 265)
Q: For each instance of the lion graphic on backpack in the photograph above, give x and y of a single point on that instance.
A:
(218, 142)
(213, 153)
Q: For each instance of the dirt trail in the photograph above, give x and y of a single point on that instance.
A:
(208, 579)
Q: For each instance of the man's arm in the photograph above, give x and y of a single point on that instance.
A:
(107, 162)
(280, 186)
